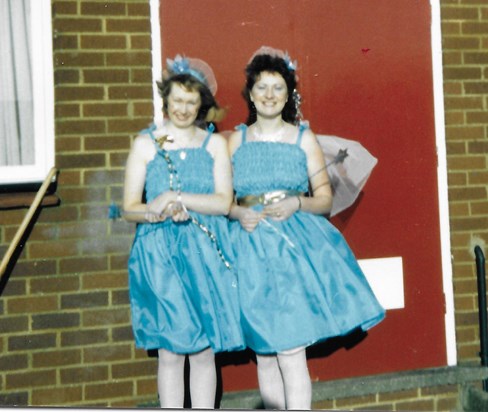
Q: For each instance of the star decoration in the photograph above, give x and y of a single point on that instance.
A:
(341, 156)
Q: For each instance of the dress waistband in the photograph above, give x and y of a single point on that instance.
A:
(267, 198)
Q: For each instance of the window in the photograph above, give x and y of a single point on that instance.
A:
(26, 92)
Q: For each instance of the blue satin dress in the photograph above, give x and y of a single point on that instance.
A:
(183, 297)
(299, 282)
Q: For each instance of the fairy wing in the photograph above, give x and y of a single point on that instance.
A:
(349, 165)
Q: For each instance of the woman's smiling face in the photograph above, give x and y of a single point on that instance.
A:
(269, 94)
(183, 105)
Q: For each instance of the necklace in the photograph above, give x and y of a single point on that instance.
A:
(274, 137)
(182, 148)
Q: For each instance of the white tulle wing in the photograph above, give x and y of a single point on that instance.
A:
(349, 166)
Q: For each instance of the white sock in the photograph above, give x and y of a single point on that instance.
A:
(296, 379)
(171, 383)
(270, 382)
(203, 379)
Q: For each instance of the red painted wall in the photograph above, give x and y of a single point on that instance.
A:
(365, 74)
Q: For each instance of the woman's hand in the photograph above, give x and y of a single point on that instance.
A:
(249, 218)
(177, 211)
(174, 210)
(151, 217)
(283, 209)
(157, 210)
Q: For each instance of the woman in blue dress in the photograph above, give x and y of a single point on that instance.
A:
(299, 283)
(178, 189)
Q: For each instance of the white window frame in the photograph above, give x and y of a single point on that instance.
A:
(43, 98)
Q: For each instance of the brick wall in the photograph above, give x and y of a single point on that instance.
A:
(439, 398)
(64, 320)
(465, 60)
(64, 317)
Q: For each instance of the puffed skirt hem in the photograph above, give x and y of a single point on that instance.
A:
(300, 343)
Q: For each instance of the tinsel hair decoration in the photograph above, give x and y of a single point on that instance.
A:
(271, 51)
(197, 68)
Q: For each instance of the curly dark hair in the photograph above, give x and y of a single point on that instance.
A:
(209, 109)
(272, 64)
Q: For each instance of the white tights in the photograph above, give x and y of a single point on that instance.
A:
(171, 379)
(284, 380)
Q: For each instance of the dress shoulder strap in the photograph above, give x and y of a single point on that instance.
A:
(301, 128)
(210, 130)
(243, 128)
(150, 131)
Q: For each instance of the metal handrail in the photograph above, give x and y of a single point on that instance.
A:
(26, 222)
(482, 310)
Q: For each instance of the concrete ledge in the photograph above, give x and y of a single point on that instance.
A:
(391, 382)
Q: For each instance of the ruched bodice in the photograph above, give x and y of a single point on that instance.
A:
(275, 166)
(195, 170)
